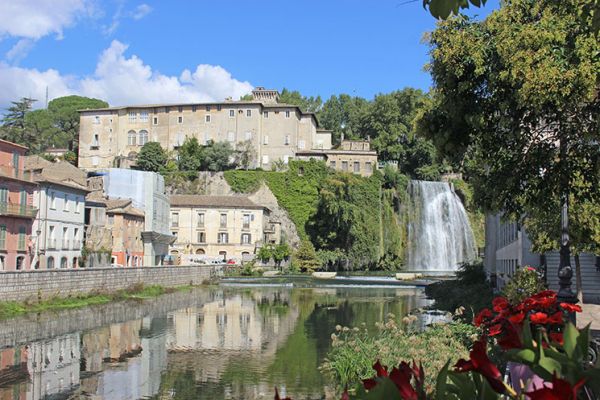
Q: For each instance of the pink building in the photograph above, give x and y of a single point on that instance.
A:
(16, 209)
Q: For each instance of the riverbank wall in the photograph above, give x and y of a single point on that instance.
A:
(36, 285)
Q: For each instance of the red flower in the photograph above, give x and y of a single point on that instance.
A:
(539, 318)
(345, 395)
(530, 268)
(495, 330)
(510, 339)
(479, 362)
(500, 304)
(517, 318)
(556, 318)
(556, 337)
(381, 373)
(482, 316)
(570, 307)
(560, 390)
(401, 377)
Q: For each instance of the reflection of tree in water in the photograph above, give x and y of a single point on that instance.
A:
(274, 305)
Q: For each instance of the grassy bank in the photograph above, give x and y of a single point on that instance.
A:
(10, 309)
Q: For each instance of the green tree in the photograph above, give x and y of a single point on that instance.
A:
(190, 155)
(389, 122)
(306, 257)
(306, 104)
(342, 115)
(152, 157)
(217, 156)
(65, 114)
(280, 253)
(265, 253)
(517, 94)
(43, 131)
(13, 123)
(442, 9)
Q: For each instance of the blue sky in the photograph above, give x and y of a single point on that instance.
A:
(128, 51)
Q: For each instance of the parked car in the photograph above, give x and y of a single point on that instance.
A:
(231, 261)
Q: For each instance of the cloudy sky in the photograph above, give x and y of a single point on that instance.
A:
(132, 51)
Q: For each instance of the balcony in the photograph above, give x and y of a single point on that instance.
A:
(66, 244)
(14, 173)
(76, 244)
(51, 244)
(17, 210)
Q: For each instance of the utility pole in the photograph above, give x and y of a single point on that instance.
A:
(46, 97)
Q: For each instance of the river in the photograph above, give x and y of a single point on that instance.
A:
(236, 342)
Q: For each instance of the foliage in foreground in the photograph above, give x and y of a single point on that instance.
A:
(354, 350)
(554, 357)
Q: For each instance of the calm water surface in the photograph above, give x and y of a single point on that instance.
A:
(224, 343)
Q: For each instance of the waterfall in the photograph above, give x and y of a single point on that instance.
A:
(439, 234)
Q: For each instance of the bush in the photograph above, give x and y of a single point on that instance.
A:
(525, 283)
(470, 290)
(354, 350)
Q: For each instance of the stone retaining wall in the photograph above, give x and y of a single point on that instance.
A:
(30, 285)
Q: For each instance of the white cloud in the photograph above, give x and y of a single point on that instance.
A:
(34, 19)
(19, 50)
(121, 80)
(141, 11)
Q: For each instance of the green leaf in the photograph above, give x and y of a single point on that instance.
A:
(548, 364)
(570, 336)
(525, 356)
(385, 389)
(441, 382)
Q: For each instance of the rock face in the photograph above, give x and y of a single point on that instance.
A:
(214, 183)
(265, 197)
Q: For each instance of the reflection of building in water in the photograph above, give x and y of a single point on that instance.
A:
(53, 366)
(13, 369)
(231, 324)
(114, 354)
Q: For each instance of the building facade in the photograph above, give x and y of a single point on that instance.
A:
(17, 212)
(353, 156)
(508, 248)
(126, 224)
(147, 192)
(60, 198)
(112, 137)
(218, 227)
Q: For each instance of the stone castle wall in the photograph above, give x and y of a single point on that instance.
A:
(31, 285)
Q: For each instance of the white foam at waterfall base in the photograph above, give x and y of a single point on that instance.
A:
(439, 236)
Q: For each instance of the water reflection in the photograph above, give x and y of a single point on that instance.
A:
(237, 343)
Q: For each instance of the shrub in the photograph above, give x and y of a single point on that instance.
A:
(525, 283)
(354, 350)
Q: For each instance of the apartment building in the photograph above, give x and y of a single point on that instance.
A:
(60, 198)
(147, 192)
(126, 224)
(508, 248)
(224, 227)
(112, 137)
(353, 156)
(17, 212)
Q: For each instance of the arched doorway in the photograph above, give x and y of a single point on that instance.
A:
(223, 255)
(174, 252)
(200, 251)
(50, 263)
(20, 262)
(63, 262)
(75, 262)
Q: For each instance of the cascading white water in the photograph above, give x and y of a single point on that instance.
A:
(439, 235)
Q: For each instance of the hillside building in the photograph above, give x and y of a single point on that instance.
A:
(112, 137)
(223, 227)
(353, 156)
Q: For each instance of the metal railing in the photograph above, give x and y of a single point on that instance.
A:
(51, 244)
(65, 244)
(17, 210)
(76, 244)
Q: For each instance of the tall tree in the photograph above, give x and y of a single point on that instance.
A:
(190, 155)
(306, 104)
(13, 123)
(152, 157)
(64, 111)
(217, 156)
(517, 94)
(40, 125)
(342, 115)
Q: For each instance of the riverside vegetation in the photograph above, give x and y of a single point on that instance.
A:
(9, 309)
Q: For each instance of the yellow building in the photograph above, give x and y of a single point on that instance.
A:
(112, 137)
(353, 156)
(223, 227)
